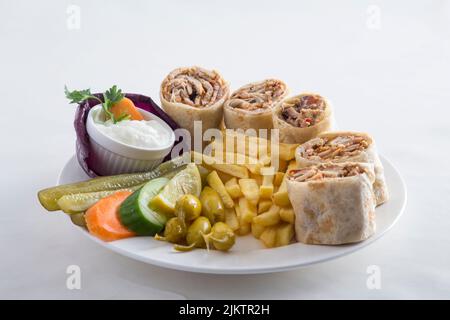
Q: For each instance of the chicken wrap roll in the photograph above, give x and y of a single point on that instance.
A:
(194, 94)
(250, 107)
(344, 146)
(333, 203)
(302, 117)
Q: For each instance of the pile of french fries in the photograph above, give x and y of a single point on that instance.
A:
(253, 192)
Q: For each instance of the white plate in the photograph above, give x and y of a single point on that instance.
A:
(247, 256)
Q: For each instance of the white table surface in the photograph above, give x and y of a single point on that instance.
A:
(388, 76)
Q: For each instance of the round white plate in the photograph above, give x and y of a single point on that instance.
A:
(248, 255)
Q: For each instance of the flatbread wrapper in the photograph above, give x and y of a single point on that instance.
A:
(334, 211)
(184, 114)
(250, 107)
(368, 155)
(289, 133)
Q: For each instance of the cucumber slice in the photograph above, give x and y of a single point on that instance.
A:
(135, 213)
(49, 197)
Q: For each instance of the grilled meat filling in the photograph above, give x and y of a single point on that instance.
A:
(194, 86)
(303, 112)
(325, 171)
(256, 96)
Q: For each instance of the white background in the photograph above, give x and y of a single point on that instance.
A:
(387, 76)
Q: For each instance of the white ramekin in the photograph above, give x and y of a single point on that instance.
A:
(109, 157)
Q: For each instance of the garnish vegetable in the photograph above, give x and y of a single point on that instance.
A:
(102, 220)
(115, 106)
(49, 197)
(137, 215)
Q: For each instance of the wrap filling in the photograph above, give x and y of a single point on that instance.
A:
(325, 171)
(194, 86)
(335, 147)
(303, 111)
(258, 96)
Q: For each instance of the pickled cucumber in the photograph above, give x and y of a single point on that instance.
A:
(78, 202)
(78, 219)
(49, 197)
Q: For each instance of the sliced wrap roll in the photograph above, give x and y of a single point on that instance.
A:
(302, 117)
(250, 107)
(333, 203)
(344, 146)
(194, 94)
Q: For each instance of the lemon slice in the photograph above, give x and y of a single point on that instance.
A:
(187, 181)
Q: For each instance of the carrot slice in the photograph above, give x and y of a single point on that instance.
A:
(126, 106)
(102, 220)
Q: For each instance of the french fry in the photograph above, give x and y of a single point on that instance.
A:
(287, 214)
(237, 210)
(232, 170)
(281, 198)
(284, 234)
(257, 230)
(278, 179)
(282, 165)
(252, 164)
(257, 177)
(248, 145)
(217, 184)
(253, 168)
(224, 176)
(244, 229)
(264, 205)
(268, 218)
(231, 218)
(287, 151)
(250, 189)
(211, 162)
(244, 144)
(268, 237)
(247, 210)
(256, 147)
(266, 192)
(266, 189)
(240, 143)
(233, 188)
(292, 165)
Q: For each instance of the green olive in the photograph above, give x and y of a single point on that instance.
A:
(188, 207)
(200, 227)
(222, 236)
(212, 205)
(174, 231)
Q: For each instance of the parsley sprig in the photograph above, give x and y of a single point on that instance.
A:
(111, 96)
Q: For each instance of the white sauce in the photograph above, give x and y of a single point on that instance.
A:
(142, 134)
